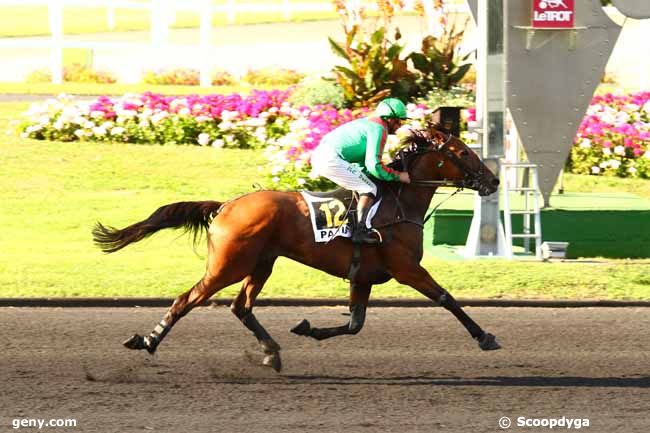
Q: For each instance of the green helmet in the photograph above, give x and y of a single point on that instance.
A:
(391, 108)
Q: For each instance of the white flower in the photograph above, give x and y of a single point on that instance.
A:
(276, 179)
(127, 114)
(229, 115)
(614, 163)
(24, 135)
(595, 170)
(218, 143)
(255, 121)
(99, 131)
(631, 170)
(226, 125)
(201, 119)
(96, 114)
(203, 139)
(301, 181)
(619, 150)
(88, 124)
(585, 143)
(79, 133)
(184, 111)
(117, 130)
(607, 151)
(646, 155)
(622, 117)
(159, 116)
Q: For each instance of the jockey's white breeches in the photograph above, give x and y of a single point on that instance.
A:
(326, 163)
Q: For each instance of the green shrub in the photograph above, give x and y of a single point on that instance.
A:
(74, 73)
(271, 76)
(437, 62)
(317, 91)
(454, 97)
(186, 77)
(374, 69)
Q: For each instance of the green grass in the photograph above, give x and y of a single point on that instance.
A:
(579, 183)
(53, 193)
(121, 89)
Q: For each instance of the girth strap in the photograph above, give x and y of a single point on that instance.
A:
(355, 263)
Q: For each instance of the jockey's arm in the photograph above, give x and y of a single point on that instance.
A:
(374, 150)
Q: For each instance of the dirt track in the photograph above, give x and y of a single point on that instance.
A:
(409, 370)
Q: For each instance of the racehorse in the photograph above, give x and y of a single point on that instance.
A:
(247, 234)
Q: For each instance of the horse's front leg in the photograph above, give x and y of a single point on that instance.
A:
(417, 277)
(359, 294)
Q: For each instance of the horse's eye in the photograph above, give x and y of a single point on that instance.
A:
(464, 153)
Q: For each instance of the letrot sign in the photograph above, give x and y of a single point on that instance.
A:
(553, 14)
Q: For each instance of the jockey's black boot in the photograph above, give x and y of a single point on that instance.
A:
(360, 233)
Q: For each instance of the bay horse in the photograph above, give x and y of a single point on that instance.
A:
(246, 235)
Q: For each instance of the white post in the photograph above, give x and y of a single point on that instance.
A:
(110, 17)
(287, 10)
(206, 36)
(55, 12)
(231, 11)
(159, 29)
(171, 13)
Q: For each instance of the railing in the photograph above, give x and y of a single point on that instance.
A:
(162, 13)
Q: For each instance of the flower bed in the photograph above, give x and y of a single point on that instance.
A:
(217, 120)
(614, 137)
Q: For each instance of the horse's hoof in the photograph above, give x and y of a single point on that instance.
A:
(138, 342)
(488, 342)
(273, 360)
(302, 328)
(135, 342)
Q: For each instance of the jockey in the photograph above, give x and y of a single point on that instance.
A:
(347, 153)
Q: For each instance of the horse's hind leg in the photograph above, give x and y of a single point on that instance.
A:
(242, 307)
(183, 304)
(359, 294)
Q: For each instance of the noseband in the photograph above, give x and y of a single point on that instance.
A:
(471, 179)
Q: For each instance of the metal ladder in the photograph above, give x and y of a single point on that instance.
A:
(531, 195)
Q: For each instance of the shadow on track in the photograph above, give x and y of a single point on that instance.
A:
(487, 381)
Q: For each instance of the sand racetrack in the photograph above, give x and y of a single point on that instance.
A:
(409, 370)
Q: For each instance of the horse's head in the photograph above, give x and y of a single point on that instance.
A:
(446, 159)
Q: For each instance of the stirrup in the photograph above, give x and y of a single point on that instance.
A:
(365, 235)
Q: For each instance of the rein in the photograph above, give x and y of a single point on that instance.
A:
(469, 180)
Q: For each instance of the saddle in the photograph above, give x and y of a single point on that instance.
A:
(329, 212)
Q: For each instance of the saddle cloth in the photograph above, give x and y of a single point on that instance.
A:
(328, 212)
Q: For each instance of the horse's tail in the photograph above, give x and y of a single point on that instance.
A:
(194, 216)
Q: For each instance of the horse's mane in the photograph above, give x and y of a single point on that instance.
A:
(416, 142)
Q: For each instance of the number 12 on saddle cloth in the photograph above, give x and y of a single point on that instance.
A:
(328, 215)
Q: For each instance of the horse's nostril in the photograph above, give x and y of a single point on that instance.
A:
(495, 182)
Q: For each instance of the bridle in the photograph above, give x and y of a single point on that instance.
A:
(471, 179)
